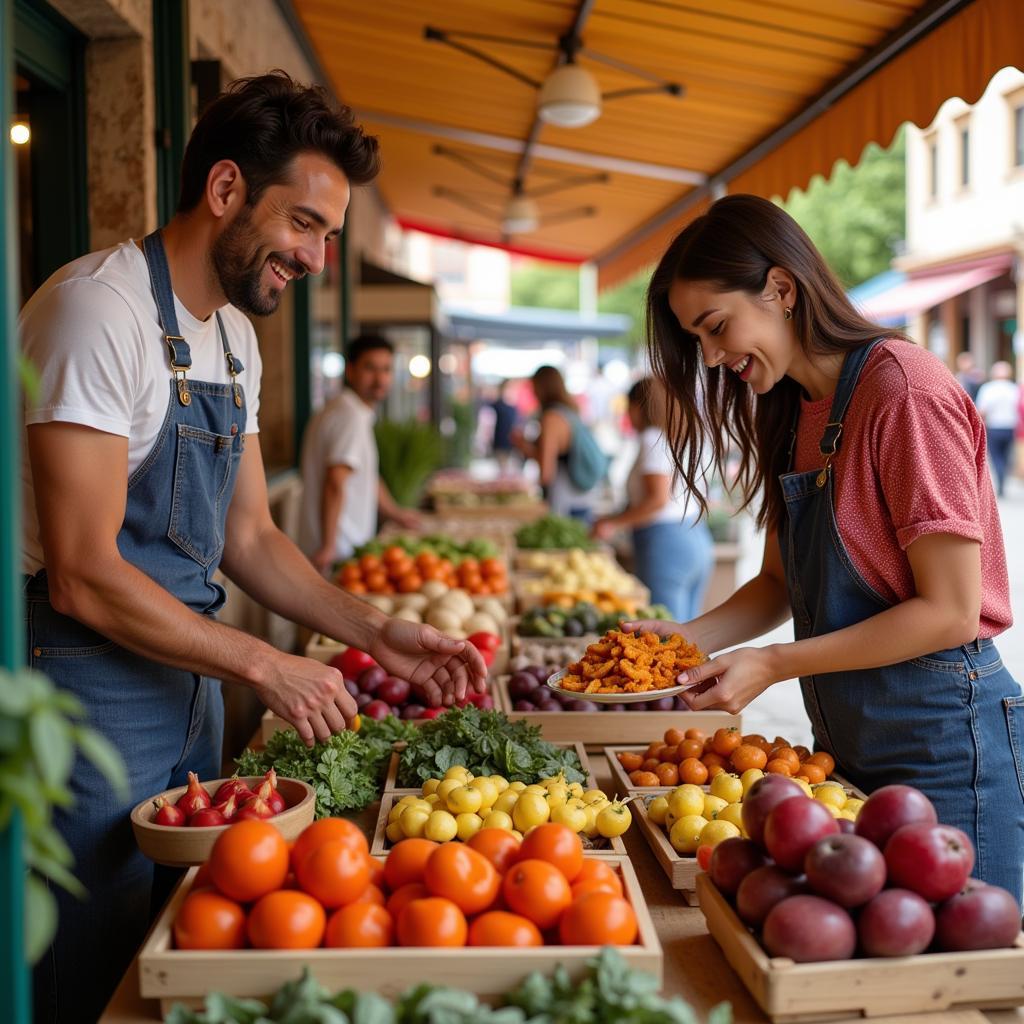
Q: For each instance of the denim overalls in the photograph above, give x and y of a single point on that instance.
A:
(950, 723)
(164, 721)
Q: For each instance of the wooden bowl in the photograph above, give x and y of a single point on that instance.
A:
(180, 846)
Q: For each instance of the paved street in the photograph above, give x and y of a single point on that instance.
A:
(779, 711)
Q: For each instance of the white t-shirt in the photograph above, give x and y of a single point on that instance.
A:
(654, 459)
(340, 434)
(997, 402)
(93, 334)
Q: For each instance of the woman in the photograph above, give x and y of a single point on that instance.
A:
(865, 463)
(565, 450)
(998, 400)
(672, 548)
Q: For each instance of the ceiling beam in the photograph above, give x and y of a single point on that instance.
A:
(556, 154)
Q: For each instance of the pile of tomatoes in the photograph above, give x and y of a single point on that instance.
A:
(398, 572)
(495, 890)
(692, 757)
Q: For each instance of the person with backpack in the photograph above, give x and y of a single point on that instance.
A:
(571, 463)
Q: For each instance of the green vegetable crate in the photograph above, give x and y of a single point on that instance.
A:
(186, 976)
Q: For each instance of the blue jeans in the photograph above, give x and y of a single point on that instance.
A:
(1000, 450)
(675, 561)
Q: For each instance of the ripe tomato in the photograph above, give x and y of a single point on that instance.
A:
(394, 554)
(249, 859)
(462, 875)
(558, 845)
(372, 894)
(359, 926)
(286, 920)
(500, 847)
(598, 871)
(726, 740)
(704, 856)
(334, 874)
(328, 830)
(538, 891)
(403, 896)
(351, 662)
(369, 563)
(208, 920)
(598, 919)
(484, 641)
(409, 583)
(500, 928)
(432, 922)
(406, 862)
(376, 581)
(376, 870)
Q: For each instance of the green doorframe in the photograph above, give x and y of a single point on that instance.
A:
(15, 995)
(173, 80)
(301, 391)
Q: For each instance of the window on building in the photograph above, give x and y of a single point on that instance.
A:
(933, 168)
(1018, 135)
(965, 156)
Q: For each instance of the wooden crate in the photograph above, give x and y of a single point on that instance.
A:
(791, 993)
(638, 594)
(321, 648)
(380, 844)
(390, 785)
(682, 871)
(185, 976)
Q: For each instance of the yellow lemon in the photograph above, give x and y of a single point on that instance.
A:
(558, 794)
(413, 822)
(853, 804)
(500, 782)
(464, 800)
(830, 793)
(657, 810)
(686, 800)
(712, 805)
(506, 801)
(749, 777)
(447, 786)
(594, 796)
(732, 813)
(396, 812)
(487, 789)
(727, 786)
(408, 799)
(530, 809)
(517, 787)
(433, 799)
(517, 834)
(430, 786)
(715, 831)
(685, 833)
(457, 771)
(847, 814)
(498, 819)
(394, 832)
(805, 786)
(441, 827)
(467, 826)
(613, 819)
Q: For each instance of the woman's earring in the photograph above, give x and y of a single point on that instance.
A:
(787, 313)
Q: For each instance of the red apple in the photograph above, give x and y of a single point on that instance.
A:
(376, 709)
(351, 662)
(897, 922)
(393, 691)
(890, 808)
(849, 870)
(931, 860)
(762, 796)
(846, 826)
(793, 827)
(762, 889)
(809, 928)
(731, 862)
(978, 917)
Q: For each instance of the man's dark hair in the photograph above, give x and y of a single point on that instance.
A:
(262, 123)
(364, 343)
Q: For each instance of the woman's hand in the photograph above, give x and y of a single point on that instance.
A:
(660, 626)
(729, 682)
(604, 529)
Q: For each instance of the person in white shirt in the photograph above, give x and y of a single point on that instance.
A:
(341, 487)
(672, 548)
(998, 402)
(144, 476)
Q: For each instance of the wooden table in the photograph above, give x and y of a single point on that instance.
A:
(695, 967)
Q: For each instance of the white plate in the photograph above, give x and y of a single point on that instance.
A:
(612, 698)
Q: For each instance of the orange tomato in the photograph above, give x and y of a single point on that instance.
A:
(629, 761)
(673, 737)
(462, 875)
(538, 891)
(329, 830)
(726, 740)
(747, 756)
(432, 572)
(693, 771)
(501, 848)
(599, 871)
(406, 862)
(410, 583)
(359, 926)
(500, 928)
(369, 563)
(469, 565)
(668, 774)
(350, 573)
(558, 845)
(694, 734)
(598, 919)
(644, 779)
(431, 922)
(404, 895)
(779, 766)
(334, 874)
(356, 588)
(286, 919)
(814, 773)
(492, 567)
(394, 554)
(372, 894)
(376, 871)
(426, 560)
(208, 920)
(376, 580)
(823, 760)
(690, 748)
(248, 860)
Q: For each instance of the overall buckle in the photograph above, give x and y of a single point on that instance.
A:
(184, 395)
(822, 477)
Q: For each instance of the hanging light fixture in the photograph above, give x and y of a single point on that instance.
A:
(520, 216)
(20, 133)
(569, 98)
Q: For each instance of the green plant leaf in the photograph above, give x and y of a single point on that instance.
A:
(50, 842)
(52, 746)
(55, 872)
(40, 918)
(15, 700)
(103, 754)
(25, 791)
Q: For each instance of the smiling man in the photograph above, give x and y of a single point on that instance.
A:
(143, 476)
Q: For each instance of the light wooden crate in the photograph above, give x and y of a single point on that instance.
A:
(638, 594)
(380, 844)
(186, 976)
(596, 728)
(390, 781)
(522, 556)
(682, 871)
(792, 993)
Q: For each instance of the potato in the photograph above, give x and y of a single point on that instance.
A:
(417, 602)
(481, 622)
(381, 602)
(408, 614)
(434, 589)
(495, 609)
(443, 619)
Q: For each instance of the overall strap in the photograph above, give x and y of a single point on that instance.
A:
(830, 438)
(235, 366)
(160, 279)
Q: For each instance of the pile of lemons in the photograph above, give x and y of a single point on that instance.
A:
(460, 804)
(693, 818)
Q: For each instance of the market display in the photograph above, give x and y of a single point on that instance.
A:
(584, 576)
(398, 572)
(233, 800)
(555, 622)
(554, 532)
(443, 546)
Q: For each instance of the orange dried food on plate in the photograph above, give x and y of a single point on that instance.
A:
(632, 663)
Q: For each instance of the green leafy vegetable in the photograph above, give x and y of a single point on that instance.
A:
(486, 743)
(554, 532)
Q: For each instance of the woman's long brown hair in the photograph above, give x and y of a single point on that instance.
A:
(549, 386)
(733, 247)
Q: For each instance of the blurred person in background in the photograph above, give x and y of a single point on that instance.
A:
(672, 547)
(998, 401)
(342, 492)
(571, 463)
(969, 376)
(505, 417)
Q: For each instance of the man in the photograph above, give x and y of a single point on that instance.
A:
(341, 487)
(143, 476)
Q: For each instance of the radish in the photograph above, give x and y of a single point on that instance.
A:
(195, 798)
(168, 814)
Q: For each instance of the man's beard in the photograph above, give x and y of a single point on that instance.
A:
(239, 268)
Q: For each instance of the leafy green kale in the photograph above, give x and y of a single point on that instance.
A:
(486, 743)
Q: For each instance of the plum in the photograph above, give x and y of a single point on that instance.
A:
(897, 922)
(377, 709)
(523, 705)
(661, 704)
(393, 691)
(808, 929)
(847, 869)
(371, 678)
(612, 707)
(762, 889)
(413, 711)
(521, 684)
(352, 687)
(363, 699)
